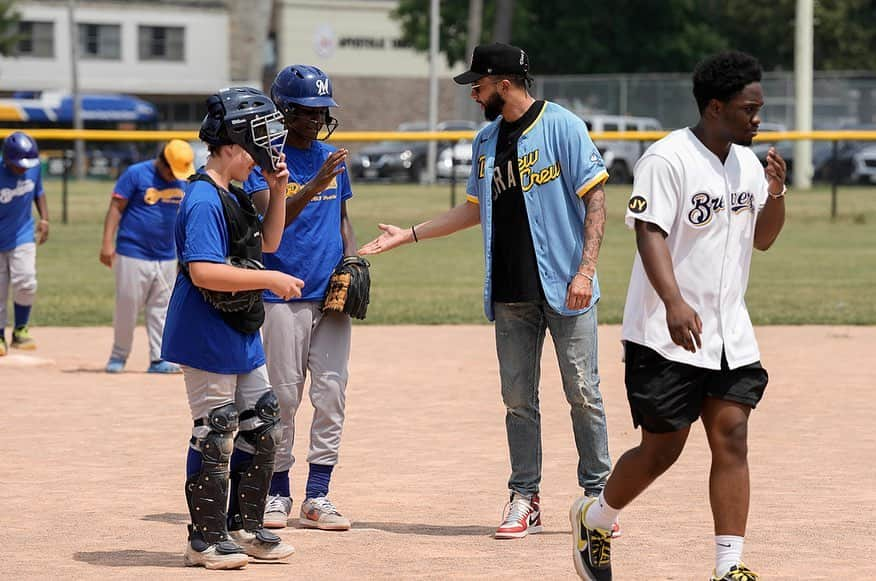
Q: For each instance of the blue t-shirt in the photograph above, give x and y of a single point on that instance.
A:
(311, 246)
(17, 194)
(146, 228)
(195, 333)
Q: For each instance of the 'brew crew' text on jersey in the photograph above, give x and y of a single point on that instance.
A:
(708, 209)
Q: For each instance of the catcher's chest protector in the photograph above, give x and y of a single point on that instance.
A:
(244, 241)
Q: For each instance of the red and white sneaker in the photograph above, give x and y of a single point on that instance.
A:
(522, 517)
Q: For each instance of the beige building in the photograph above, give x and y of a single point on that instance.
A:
(378, 81)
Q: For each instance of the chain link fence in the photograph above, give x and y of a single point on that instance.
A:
(841, 100)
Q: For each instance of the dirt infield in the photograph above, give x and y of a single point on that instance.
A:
(93, 464)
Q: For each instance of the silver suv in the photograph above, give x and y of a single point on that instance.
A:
(620, 156)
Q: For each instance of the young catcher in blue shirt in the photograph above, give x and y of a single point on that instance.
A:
(212, 331)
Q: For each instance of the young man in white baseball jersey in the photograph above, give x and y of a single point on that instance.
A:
(701, 201)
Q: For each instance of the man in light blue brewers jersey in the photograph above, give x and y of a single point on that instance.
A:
(21, 186)
(536, 190)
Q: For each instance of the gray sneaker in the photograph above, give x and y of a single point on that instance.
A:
(277, 511)
(320, 513)
(262, 544)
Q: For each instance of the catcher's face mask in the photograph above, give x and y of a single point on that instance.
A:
(268, 134)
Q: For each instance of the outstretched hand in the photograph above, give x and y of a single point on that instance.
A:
(392, 236)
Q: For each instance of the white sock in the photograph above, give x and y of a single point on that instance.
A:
(728, 552)
(600, 515)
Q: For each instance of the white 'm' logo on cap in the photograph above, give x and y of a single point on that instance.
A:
(322, 87)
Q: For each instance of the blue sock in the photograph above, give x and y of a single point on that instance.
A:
(318, 480)
(238, 458)
(193, 462)
(280, 484)
(22, 314)
(2, 333)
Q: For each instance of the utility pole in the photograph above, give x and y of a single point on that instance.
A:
(432, 149)
(78, 144)
(803, 64)
(468, 107)
(502, 23)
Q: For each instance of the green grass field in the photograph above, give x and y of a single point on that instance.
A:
(820, 271)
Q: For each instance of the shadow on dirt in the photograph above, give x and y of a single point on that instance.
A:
(130, 558)
(401, 528)
(174, 518)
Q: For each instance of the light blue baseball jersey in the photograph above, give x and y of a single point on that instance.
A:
(558, 164)
(17, 194)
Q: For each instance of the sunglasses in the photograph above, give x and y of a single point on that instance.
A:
(477, 87)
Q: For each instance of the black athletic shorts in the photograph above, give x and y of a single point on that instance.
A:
(666, 396)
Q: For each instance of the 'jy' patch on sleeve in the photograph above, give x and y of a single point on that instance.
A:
(656, 191)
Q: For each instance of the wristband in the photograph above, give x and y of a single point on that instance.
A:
(414, 233)
(585, 275)
(780, 194)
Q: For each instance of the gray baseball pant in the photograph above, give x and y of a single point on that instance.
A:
(146, 285)
(299, 338)
(17, 268)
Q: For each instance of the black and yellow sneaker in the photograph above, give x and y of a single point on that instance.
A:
(592, 547)
(2, 346)
(21, 339)
(737, 572)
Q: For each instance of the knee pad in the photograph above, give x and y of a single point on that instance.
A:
(252, 480)
(207, 490)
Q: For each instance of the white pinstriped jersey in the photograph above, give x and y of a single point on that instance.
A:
(709, 211)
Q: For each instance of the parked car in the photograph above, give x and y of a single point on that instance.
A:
(402, 160)
(821, 152)
(855, 160)
(620, 156)
(864, 169)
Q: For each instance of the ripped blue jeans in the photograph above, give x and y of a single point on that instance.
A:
(520, 333)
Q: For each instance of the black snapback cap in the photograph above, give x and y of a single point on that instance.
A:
(495, 59)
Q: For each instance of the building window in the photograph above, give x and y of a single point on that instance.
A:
(162, 43)
(100, 41)
(37, 39)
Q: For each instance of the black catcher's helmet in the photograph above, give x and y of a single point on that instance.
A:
(248, 118)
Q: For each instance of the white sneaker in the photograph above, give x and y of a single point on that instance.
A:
(320, 513)
(262, 545)
(277, 511)
(213, 558)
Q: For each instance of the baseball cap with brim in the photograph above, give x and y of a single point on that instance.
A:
(180, 157)
(495, 59)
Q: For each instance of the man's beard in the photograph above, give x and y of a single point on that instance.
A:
(493, 107)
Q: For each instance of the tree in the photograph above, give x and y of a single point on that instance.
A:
(563, 37)
(9, 36)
